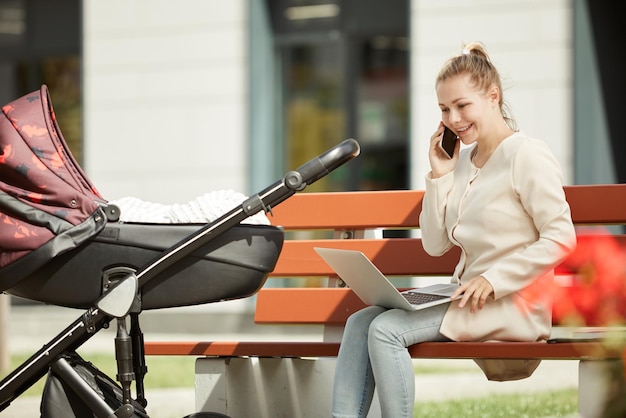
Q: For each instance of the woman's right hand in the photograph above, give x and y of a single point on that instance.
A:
(440, 163)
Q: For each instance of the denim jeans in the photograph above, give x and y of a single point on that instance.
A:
(373, 350)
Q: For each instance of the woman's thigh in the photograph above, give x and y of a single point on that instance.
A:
(410, 327)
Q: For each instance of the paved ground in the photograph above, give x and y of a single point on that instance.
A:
(33, 326)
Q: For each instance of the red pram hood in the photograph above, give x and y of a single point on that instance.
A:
(47, 203)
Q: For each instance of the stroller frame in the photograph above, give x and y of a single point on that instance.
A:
(122, 299)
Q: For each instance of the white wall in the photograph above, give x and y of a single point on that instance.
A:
(165, 97)
(529, 41)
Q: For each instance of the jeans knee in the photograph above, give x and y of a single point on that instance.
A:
(379, 330)
(363, 318)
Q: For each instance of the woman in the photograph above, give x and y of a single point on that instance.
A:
(500, 199)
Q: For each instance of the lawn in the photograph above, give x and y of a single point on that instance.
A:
(549, 404)
(178, 371)
(163, 371)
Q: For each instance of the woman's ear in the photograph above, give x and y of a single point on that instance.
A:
(494, 94)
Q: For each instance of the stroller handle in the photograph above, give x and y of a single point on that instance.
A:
(322, 165)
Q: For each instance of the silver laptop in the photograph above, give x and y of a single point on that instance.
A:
(364, 278)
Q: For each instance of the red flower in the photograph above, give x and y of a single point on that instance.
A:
(596, 295)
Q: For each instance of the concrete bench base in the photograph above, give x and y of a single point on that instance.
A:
(301, 387)
(266, 387)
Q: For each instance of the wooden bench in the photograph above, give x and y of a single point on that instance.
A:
(354, 220)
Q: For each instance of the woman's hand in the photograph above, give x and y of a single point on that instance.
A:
(477, 290)
(440, 163)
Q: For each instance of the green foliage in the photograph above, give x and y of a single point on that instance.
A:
(163, 371)
(178, 371)
(436, 368)
(549, 404)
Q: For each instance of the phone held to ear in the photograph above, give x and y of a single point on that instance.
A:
(448, 142)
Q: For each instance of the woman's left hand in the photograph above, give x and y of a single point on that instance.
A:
(476, 290)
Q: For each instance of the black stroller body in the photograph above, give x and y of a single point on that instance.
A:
(61, 244)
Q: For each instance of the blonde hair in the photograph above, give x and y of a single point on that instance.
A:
(475, 62)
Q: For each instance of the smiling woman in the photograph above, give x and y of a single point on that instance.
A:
(501, 202)
(472, 105)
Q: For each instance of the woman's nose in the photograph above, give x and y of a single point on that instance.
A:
(454, 116)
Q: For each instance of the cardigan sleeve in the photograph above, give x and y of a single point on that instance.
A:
(536, 178)
(435, 238)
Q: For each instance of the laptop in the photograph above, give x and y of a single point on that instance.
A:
(369, 284)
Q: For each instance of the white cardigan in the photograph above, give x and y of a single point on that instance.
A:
(513, 225)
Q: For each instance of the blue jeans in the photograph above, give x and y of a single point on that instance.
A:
(373, 350)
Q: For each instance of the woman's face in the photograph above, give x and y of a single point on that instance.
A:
(465, 109)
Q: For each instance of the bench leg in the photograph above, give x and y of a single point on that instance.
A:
(595, 381)
(267, 387)
(211, 390)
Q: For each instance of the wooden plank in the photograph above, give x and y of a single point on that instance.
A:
(513, 350)
(598, 203)
(306, 306)
(449, 350)
(298, 257)
(240, 348)
(401, 208)
(351, 210)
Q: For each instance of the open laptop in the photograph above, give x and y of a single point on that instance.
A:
(364, 278)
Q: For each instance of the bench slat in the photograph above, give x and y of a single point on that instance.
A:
(298, 258)
(456, 350)
(597, 204)
(306, 306)
(514, 350)
(240, 348)
(351, 210)
(367, 210)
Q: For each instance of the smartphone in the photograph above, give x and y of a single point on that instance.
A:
(448, 142)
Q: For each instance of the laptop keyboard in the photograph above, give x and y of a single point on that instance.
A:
(418, 298)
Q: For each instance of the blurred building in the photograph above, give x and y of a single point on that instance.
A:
(167, 100)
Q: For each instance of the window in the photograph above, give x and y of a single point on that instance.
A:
(343, 72)
(40, 44)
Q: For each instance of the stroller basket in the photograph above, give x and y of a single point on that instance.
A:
(233, 265)
(61, 243)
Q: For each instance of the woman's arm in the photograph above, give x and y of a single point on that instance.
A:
(537, 179)
(432, 218)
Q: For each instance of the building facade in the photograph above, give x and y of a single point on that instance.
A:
(179, 98)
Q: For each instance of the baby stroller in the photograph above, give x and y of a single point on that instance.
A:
(61, 243)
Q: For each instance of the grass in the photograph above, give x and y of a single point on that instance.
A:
(178, 371)
(163, 371)
(173, 371)
(548, 404)
(434, 368)
(559, 403)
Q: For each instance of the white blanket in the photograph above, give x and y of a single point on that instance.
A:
(203, 209)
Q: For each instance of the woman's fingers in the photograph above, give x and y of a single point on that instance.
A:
(476, 291)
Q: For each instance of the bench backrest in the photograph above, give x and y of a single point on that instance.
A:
(309, 292)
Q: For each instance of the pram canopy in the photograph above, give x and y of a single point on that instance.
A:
(47, 203)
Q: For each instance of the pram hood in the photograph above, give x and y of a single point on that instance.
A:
(47, 204)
